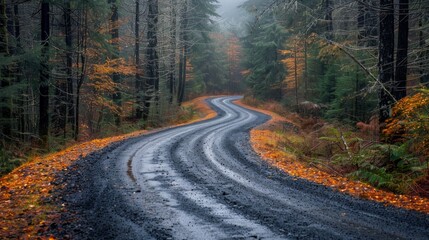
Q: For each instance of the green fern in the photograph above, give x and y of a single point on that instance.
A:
(378, 177)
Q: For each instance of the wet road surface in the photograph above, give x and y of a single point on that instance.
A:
(203, 181)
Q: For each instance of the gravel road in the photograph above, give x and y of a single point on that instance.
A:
(203, 181)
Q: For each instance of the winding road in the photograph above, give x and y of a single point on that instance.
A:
(203, 181)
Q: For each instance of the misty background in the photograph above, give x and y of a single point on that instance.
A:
(231, 15)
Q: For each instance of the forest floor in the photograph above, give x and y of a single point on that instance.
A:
(27, 208)
(266, 141)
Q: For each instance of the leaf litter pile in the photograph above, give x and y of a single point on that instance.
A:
(265, 142)
(27, 208)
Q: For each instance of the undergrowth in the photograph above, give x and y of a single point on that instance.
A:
(342, 150)
(16, 153)
(9, 161)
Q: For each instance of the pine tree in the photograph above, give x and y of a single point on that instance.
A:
(265, 70)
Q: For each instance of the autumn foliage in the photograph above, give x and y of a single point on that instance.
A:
(28, 209)
(269, 141)
(294, 61)
(410, 122)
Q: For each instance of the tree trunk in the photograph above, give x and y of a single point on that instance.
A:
(81, 63)
(386, 58)
(17, 30)
(180, 80)
(328, 19)
(114, 32)
(361, 22)
(172, 76)
(20, 112)
(63, 110)
(69, 63)
(400, 87)
(139, 84)
(5, 126)
(183, 57)
(305, 66)
(151, 85)
(183, 82)
(44, 75)
(424, 76)
(296, 72)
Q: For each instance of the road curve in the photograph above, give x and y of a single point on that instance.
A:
(203, 181)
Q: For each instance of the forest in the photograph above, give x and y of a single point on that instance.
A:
(73, 70)
(361, 66)
(214, 119)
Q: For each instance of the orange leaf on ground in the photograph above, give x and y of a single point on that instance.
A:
(24, 213)
(263, 141)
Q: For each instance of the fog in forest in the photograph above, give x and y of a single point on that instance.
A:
(231, 15)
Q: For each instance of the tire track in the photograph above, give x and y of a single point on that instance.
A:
(203, 181)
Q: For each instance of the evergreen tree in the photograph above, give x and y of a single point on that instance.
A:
(209, 67)
(265, 72)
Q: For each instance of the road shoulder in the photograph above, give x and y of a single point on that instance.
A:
(263, 141)
(29, 194)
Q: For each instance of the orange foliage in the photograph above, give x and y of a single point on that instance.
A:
(266, 142)
(204, 111)
(371, 128)
(410, 121)
(294, 62)
(234, 52)
(95, 93)
(26, 208)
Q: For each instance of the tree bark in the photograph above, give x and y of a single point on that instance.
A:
(3, 29)
(139, 84)
(20, 112)
(172, 75)
(386, 58)
(69, 62)
(328, 19)
(114, 32)
(44, 75)
(296, 72)
(81, 63)
(400, 87)
(183, 55)
(424, 76)
(5, 126)
(151, 85)
(17, 25)
(305, 66)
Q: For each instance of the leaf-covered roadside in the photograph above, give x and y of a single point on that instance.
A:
(265, 140)
(27, 207)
